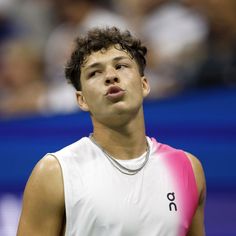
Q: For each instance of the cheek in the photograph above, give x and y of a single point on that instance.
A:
(90, 89)
(93, 97)
(136, 86)
(135, 93)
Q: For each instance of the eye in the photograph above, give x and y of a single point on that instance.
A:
(94, 73)
(120, 66)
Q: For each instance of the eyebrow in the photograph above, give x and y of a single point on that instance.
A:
(97, 64)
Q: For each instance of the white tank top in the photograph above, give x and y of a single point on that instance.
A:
(160, 200)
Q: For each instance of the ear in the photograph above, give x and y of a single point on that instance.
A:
(145, 86)
(81, 101)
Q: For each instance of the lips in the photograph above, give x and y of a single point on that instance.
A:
(114, 93)
(114, 89)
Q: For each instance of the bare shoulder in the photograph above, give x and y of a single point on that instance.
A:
(43, 201)
(196, 164)
(199, 174)
(48, 165)
(197, 227)
(46, 179)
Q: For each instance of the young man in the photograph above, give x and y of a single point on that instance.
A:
(117, 181)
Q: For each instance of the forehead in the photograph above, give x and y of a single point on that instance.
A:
(105, 55)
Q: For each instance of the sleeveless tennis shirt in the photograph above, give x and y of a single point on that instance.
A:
(160, 200)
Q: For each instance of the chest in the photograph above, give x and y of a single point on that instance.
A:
(144, 204)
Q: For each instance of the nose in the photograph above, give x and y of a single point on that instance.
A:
(111, 76)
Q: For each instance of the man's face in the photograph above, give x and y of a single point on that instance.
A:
(111, 84)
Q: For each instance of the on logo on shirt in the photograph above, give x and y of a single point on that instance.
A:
(172, 204)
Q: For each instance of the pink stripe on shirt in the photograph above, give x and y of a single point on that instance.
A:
(184, 180)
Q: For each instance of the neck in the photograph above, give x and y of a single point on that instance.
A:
(126, 141)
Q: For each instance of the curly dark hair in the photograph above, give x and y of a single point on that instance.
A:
(103, 38)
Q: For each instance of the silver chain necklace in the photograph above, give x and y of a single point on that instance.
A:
(117, 165)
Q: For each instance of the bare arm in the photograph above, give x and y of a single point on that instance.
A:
(197, 227)
(43, 201)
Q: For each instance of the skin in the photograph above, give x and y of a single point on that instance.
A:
(197, 227)
(118, 127)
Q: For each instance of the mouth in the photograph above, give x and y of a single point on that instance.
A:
(115, 93)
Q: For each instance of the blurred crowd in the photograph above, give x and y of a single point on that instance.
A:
(191, 44)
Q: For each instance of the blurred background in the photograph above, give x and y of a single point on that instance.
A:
(191, 69)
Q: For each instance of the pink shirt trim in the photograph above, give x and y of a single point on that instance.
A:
(185, 183)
